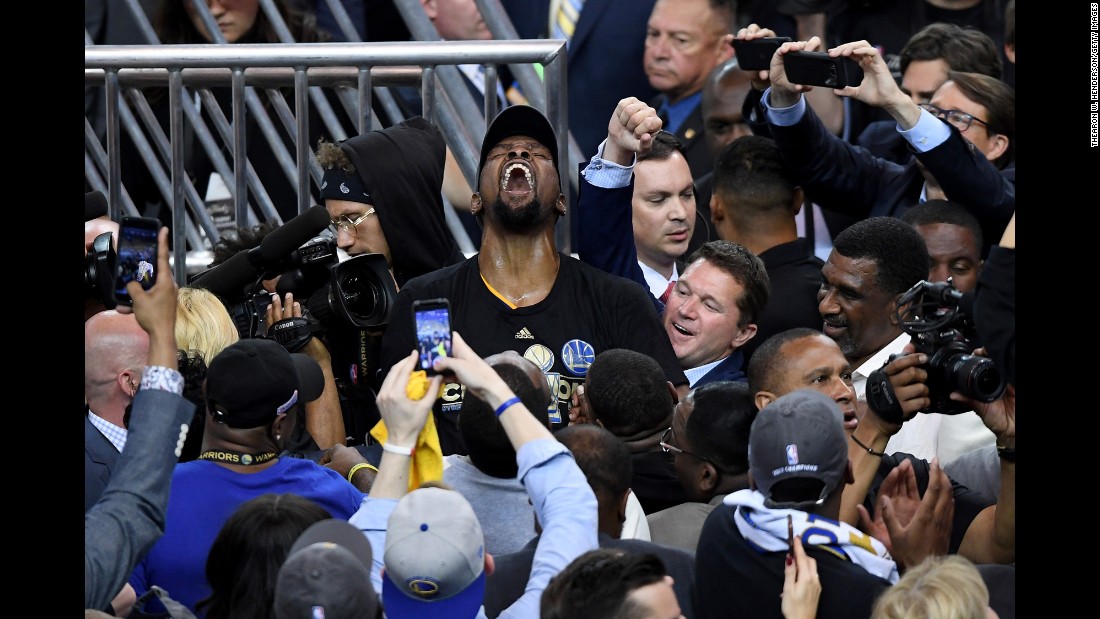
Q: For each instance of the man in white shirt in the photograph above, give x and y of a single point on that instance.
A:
(872, 264)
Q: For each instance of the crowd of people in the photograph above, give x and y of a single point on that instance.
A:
(776, 379)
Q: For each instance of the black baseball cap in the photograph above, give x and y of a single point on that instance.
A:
(255, 380)
(519, 120)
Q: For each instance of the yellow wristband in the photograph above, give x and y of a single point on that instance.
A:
(361, 465)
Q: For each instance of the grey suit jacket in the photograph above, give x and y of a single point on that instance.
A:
(679, 526)
(129, 517)
(99, 459)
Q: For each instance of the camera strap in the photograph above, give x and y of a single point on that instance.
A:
(881, 397)
(293, 333)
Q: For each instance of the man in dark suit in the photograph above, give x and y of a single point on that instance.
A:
(755, 203)
(718, 298)
(115, 352)
(685, 40)
(608, 467)
(605, 65)
(963, 141)
(925, 60)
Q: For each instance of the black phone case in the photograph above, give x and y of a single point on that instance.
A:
(756, 55)
(820, 69)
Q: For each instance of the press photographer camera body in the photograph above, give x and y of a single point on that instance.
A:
(347, 304)
(934, 316)
(357, 293)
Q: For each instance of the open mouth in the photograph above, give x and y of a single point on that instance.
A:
(850, 420)
(517, 179)
(681, 330)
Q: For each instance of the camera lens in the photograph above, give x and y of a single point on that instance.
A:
(359, 296)
(977, 377)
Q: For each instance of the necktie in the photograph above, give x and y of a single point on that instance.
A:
(668, 291)
(565, 22)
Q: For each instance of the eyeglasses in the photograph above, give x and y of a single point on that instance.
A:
(669, 448)
(347, 224)
(961, 120)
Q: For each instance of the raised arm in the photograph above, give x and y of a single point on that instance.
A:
(129, 516)
(605, 236)
(564, 502)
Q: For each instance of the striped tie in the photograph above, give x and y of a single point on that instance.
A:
(569, 11)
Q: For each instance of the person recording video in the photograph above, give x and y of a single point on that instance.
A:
(381, 184)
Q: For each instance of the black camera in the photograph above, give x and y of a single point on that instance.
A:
(359, 294)
(931, 313)
(99, 271)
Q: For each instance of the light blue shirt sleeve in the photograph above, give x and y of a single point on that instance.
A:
(783, 116)
(607, 174)
(372, 518)
(928, 133)
(566, 508)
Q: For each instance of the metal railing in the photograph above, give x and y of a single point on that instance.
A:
(356, 68)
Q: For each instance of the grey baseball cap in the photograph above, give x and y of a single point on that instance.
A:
(799, 435)
(434, 557)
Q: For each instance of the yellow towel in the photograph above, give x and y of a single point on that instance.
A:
(426, 463)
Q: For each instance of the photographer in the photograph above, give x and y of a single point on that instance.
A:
(97, 282)
(989, 536)
(323, 424)
(981, 529)
(873, 263)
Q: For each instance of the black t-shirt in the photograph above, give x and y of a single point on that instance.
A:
(968, 503)
(735, 579)
(586, 312)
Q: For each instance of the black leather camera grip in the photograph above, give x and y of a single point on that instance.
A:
(881, 397)
(293, 333)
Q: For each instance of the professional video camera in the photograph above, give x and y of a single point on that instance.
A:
(357, 293)
(931, 313)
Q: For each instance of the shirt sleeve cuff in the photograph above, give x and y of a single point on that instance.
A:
(160, 377)
(607, 174)
(928, 133)
(783, 116)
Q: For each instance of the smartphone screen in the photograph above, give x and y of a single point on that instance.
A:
(756, 54)
(137, 255)
(433, 331)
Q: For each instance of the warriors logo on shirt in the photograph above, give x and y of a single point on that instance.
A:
(577, 355)
(540, 356)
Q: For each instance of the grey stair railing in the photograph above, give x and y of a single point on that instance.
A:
(301, 65)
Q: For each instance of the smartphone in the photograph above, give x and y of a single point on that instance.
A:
(790, 535)
(432, 318)
(756, 54)
(821, 69)
(137, 255)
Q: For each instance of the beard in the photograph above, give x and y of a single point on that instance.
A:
(525, 218)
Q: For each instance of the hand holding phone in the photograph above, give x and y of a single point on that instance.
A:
(432, 321)
(756, 54)
(137, 255)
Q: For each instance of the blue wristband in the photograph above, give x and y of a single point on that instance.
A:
(503, 407)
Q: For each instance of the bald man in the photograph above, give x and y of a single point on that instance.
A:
(116, 349)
